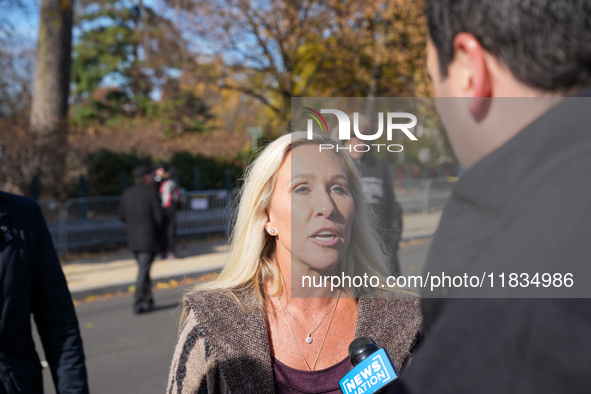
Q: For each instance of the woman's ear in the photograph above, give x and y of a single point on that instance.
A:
(270, 227)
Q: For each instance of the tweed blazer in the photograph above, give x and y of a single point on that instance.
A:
(224, 348)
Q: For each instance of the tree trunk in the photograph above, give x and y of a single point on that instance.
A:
(49, 107)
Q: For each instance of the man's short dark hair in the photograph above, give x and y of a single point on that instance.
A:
(546, 44)
(140, 171)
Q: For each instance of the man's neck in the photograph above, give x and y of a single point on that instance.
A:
(506, 117)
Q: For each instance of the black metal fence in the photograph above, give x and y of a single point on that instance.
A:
(94, 221)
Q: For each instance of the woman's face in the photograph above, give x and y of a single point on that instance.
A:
(311, 209)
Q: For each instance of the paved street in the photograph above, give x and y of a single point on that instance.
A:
(126, 353)
(129, 354)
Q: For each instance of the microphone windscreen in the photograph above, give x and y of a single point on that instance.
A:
(358, 342)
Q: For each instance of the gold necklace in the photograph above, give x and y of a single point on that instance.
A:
(323, 339)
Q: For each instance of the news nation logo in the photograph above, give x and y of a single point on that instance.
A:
(345, 124)
(370, 375)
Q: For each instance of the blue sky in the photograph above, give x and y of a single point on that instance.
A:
(24, 24)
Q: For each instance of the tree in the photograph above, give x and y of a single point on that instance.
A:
(16, 75)
(269, 50)
(142, 51)
(116, 38)
(377, 48)
(110, 47)
(16, 70)
(51, 85)
(273, 50)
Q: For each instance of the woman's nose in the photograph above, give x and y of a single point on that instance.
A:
(324, 205)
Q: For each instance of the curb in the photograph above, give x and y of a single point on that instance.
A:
(418, 237)
(93, 291)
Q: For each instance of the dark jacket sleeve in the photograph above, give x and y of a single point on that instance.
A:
(55, 316)
(504, 346)
(122, 212)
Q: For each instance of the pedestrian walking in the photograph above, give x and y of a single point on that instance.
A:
(142, 213)
(170, 197)
(32, 283)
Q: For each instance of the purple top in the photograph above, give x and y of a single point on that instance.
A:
(289, 380)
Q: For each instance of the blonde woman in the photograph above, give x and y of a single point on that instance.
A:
(302, 213)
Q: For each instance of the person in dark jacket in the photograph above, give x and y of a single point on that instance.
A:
(170, 196)
(522, 207)
(142, 214)
(378, 186)
(32, 282)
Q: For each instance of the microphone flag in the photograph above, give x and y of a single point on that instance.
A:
(370, 375)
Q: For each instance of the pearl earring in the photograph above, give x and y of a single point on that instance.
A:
(272, 231)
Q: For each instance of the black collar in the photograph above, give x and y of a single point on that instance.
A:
(3, 205)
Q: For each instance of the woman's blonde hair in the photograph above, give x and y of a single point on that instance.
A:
(251, 263)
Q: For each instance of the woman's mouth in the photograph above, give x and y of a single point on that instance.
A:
(326, 238)
(325, 235)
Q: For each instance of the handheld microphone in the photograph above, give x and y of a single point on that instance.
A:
(372, 371)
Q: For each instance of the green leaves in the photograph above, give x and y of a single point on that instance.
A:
(109, 43)
(110, 51)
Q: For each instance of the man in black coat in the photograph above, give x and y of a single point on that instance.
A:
(32, 282)
(141, 211)
(379, 189)
(522, 207)
(378, 186)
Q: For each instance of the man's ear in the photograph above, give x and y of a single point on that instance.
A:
(476, 77)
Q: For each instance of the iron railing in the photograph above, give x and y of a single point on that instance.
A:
(94, 221)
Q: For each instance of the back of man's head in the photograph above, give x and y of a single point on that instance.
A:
(546, 44)
(140, 172)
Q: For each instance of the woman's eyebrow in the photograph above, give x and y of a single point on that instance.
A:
(303, 176)
(334, 178)
(337, 177)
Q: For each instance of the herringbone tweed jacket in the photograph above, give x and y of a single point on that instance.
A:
(223, 348)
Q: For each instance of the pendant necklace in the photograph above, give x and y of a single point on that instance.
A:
(309, 337)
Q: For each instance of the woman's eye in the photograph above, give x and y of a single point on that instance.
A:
(339, 190)
(302, 189)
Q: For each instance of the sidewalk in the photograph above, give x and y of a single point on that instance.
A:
(118, 270)
(420, 225)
